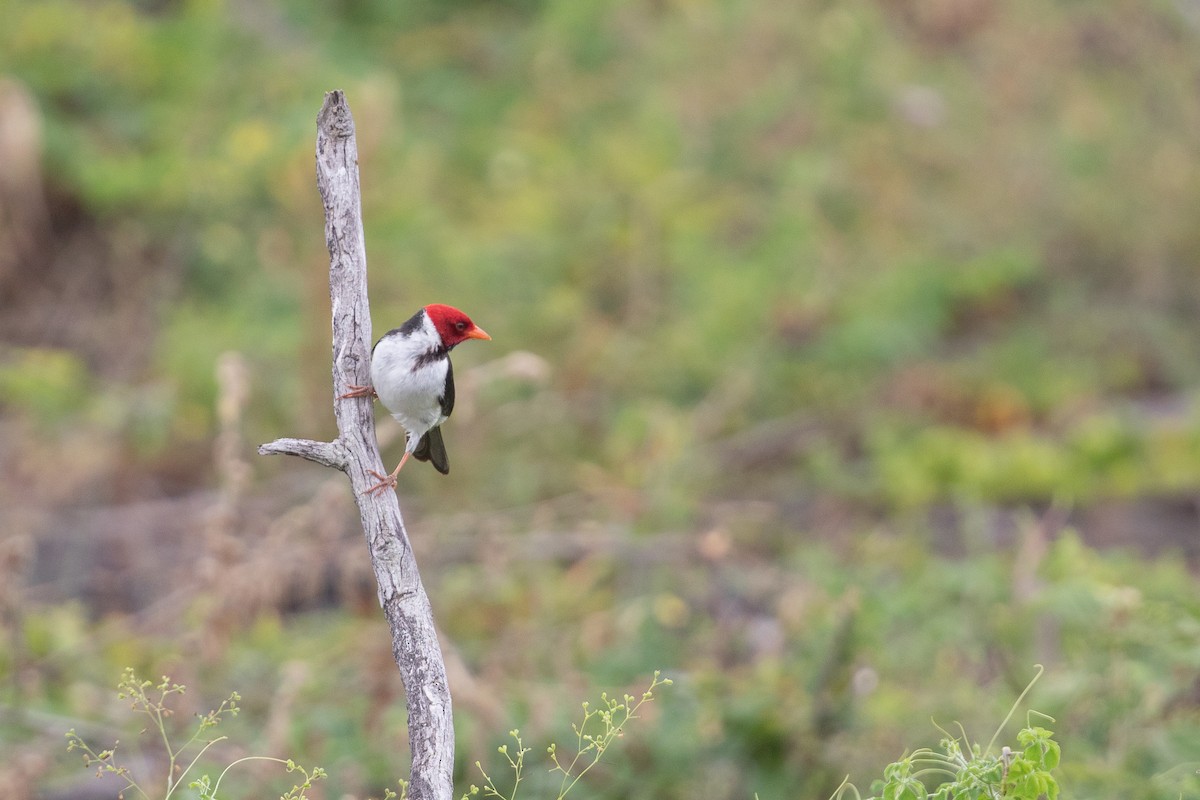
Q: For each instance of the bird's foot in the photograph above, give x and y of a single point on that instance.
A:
(385, 482)
(358, 391)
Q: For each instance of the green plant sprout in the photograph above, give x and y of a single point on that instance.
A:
(600, 727)
(516, 763)
(151, 699)
(388, 794)
(970, 772)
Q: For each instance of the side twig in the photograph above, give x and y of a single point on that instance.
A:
(401, 594)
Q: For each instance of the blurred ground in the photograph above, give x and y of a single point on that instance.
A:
(845, 365)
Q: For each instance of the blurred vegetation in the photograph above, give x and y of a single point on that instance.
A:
(845, 308)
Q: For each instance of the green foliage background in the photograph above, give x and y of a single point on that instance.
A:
(808, 277)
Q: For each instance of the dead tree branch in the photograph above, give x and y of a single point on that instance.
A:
(405, 604)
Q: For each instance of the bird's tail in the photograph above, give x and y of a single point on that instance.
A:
(431, 448)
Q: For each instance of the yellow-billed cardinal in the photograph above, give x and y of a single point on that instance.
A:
(411, 374)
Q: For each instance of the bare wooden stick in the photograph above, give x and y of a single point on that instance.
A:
(405, 604)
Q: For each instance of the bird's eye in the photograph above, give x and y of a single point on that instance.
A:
(460, 326)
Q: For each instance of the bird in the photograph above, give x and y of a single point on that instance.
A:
(412, 376)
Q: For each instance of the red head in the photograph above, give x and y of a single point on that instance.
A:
(453, 325)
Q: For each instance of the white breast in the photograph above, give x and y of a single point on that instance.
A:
(409, 385)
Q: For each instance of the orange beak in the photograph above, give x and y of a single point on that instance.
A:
(478, 333)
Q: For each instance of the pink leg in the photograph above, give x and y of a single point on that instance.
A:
(386, 481)
(358, 391)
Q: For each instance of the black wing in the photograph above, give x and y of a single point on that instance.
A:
(432, 448)
(446, 401)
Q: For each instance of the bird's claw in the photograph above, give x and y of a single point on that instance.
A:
(358, 391)
(385, 482)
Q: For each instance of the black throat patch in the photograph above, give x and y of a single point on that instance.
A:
(429, 357)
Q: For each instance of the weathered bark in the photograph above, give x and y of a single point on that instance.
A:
(405, 604)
